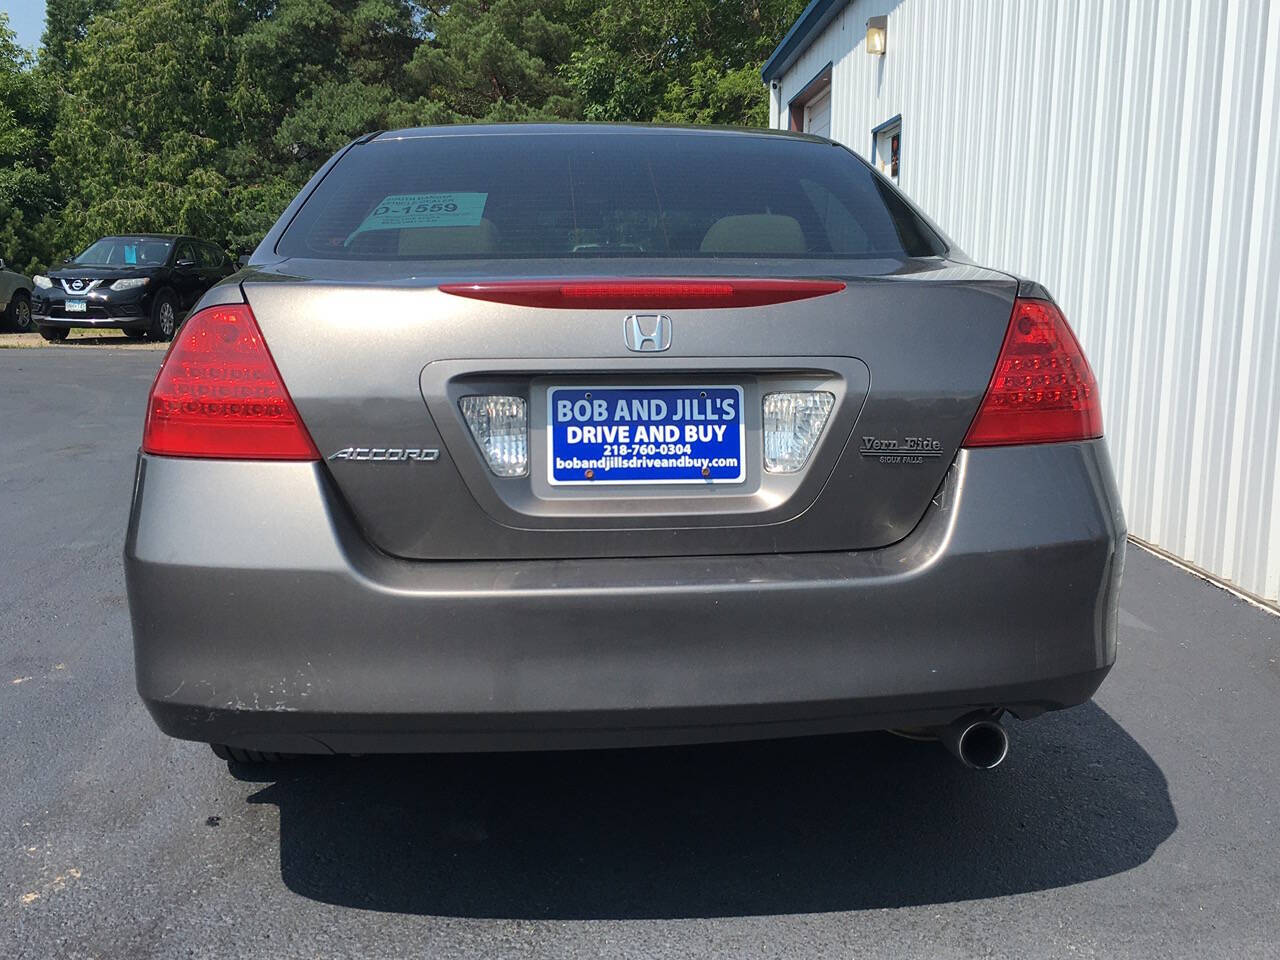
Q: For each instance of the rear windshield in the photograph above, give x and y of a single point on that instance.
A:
(603, 194)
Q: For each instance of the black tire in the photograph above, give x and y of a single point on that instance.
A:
(164, 316)
(55, 334)
(19, 312)
(237, 755)
(134, 333)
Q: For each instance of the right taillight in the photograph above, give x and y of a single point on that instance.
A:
(1042, 390)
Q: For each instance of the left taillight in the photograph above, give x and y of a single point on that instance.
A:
(219, 395)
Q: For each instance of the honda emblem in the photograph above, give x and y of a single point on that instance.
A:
(647, 332)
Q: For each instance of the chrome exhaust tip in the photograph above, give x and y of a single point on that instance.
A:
(977, 740)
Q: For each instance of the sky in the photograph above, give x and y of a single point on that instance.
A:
(26, 19)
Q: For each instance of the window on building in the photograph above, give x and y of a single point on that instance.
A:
(886, 147)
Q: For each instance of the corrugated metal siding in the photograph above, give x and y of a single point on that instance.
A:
(1127, 155)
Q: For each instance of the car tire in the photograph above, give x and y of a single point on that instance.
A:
(135, 333)
(19, 312)
(238, 755)
(55, 334)
(164, 316)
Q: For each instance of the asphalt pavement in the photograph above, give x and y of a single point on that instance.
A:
(1144, 824)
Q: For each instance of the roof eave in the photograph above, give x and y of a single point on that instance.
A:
(810, 23)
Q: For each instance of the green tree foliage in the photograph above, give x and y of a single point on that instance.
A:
(26, 118)
(66, 23)
(691, 61)
(496, 61)
(141, 129)
(310, 76)
(206, 116)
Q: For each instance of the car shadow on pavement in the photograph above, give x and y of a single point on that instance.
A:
(788, 826)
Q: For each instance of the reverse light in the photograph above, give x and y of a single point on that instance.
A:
(1042, 389)
(500, 426)
(652, 293)
(41, 281)
(793, 421)
(219, 394)
(132, 283)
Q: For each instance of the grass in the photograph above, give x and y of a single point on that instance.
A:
(79, 338)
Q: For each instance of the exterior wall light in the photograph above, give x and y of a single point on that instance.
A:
(877, 35)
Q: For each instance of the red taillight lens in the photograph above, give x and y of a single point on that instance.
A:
(622, 293)
(219, 394)
(1042, 390)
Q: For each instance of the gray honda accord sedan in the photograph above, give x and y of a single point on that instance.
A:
(526, 437)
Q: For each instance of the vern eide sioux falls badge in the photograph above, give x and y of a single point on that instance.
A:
(905, 451)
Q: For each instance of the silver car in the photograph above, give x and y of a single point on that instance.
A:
(526, 437)
(15, 298)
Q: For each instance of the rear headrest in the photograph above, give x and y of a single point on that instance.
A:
(755, 233)
(437, 241)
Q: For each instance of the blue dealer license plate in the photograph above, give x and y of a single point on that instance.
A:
(608, 435)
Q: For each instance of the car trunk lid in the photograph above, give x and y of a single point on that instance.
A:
(379, 365)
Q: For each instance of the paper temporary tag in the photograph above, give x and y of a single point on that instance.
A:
(411, 210)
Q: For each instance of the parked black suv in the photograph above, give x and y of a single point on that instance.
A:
(139, 283)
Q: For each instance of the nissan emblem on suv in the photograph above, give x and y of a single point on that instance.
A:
(647, 332)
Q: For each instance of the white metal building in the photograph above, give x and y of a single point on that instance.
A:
(1126, 155)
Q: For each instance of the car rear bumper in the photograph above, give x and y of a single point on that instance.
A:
(262, 619)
